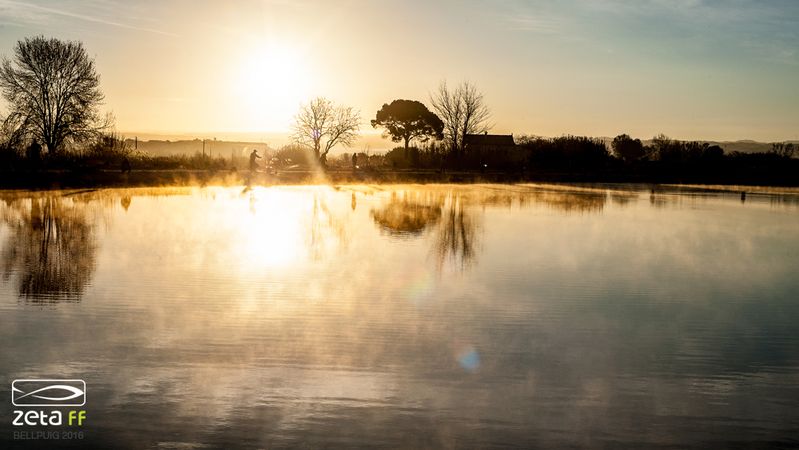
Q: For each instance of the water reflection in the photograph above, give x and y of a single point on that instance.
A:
(446, 213)
(408, 213)
(623, 198)
(327, 229)
(290, 316)
(452, 214)
(125, 202)
(51, 248)
(456, 236)
(564, 199)
(784, 200)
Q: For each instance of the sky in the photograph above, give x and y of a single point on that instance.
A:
(692, 69)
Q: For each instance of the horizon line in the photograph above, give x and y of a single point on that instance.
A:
(375, 133)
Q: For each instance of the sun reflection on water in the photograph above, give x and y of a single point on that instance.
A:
(264, 229)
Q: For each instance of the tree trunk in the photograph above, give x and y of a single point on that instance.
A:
(52, 147)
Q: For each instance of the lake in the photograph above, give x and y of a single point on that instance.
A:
(407, 316)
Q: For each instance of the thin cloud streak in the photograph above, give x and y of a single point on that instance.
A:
(28, 7)
(535, 24)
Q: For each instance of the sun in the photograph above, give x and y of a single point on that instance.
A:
(269, 81)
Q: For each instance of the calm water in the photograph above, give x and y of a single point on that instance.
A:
(407, 316)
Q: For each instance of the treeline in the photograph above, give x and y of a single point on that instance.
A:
(671, 160)
(565, 158)
(108, 151)
(580, 158)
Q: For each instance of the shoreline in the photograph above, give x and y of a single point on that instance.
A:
(59, 179)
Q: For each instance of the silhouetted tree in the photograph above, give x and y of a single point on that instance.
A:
(110, 146)
(321, 125)
(12, 134)
(627, 148)
(406, 120)
(672, 151)
(53, 91)
(666, 149)
(783, 149)
(565, 153)
(463, 111)
(713, 153)
(293, 155)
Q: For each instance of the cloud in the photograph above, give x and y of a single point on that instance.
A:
(703, 11)
(713, 29)
(535, 23)
(37, 14)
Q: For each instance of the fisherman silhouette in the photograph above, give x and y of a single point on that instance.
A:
(253, 157)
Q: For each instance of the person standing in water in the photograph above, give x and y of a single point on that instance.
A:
(253, 157)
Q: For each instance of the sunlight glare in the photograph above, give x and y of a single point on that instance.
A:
(270, 80)
(269, 236)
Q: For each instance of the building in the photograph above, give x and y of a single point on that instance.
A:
(490, 150)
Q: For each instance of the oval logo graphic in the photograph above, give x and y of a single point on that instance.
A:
(48, 392)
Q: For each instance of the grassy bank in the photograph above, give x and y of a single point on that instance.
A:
(56, 179)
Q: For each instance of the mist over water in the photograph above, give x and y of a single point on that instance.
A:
(408, 316)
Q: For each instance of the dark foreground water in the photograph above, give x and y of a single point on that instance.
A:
(405, 316)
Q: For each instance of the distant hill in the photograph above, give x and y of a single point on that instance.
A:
(163, 144)
(189, 147)
(743, 146)
(746, 146)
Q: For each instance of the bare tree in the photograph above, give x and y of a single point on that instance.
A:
(53, 91)
(448, 106)
(13, 133)
(475, 112)
(463, 111)
(783, 149)
(321, 125)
